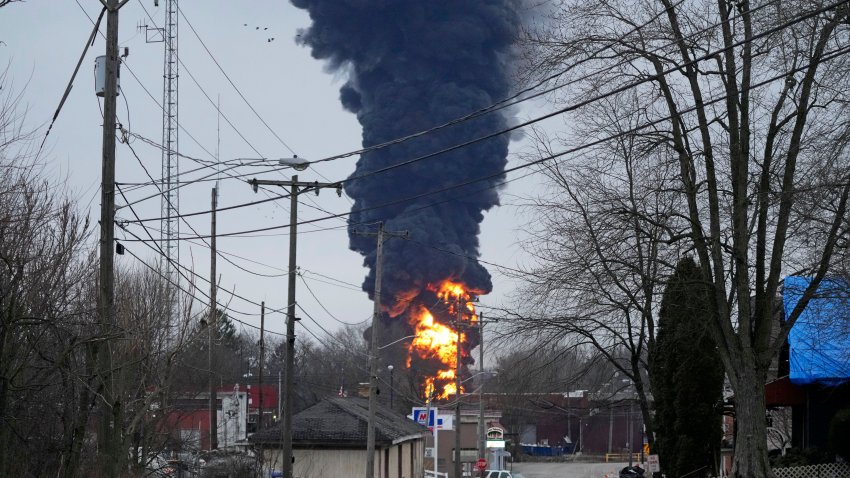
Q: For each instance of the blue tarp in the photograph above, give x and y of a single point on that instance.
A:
(820, 340)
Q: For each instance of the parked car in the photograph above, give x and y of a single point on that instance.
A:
(498, 474)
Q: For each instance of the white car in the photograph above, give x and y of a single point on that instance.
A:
(498, 474)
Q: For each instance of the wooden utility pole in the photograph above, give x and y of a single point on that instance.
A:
(373, 355)
(213, 326)
(459, 305)
(481, 436)
(289, 364)
(296, 188)
(261, 415)
(110, 440)
(262, 360)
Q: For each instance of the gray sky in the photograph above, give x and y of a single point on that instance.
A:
(291, 91)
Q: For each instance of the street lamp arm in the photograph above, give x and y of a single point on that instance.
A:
(395, 342)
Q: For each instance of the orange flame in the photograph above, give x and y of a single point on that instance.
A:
(440, 341)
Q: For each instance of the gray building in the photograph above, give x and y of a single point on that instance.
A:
(329, 439)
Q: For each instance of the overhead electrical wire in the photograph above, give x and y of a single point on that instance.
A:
(203, 91)
(238, 91)
(501, 104)
(183, 270)
(136, 78)
(232, 293)
(590, 57)
(571, 107)
(318, 301)
(215, 105)
(180, 268)
(826, 57)
(194, 297)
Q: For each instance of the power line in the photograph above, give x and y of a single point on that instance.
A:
(827, 57)
(571, 107)
(194, 297)
(136, 78)
(498, 105)
(179, 266)
(330, 314)
(207, 96)
(232, 83)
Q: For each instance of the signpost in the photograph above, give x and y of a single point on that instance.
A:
(652, 464)
(481, 465)
(431, 418)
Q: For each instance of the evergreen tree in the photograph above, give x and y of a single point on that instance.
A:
(687, 377)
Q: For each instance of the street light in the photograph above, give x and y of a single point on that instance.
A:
(390, 368)
(295, 188)
(298, 164)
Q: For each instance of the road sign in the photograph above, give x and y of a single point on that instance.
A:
(481, 464)
(652, 464)
(429, 452)
(424, 416)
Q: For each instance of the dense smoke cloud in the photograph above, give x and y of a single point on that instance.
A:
(412, 65)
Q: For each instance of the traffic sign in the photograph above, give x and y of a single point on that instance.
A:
(652, 464)
(481, 464)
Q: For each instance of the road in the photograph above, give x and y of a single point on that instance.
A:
(568, 470)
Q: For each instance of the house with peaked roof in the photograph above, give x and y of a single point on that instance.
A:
(329, 439)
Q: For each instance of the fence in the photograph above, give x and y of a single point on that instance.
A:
(622, 457)
(826, 470)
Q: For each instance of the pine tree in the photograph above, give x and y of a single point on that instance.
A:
(687, 377)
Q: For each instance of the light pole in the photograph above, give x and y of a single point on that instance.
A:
(390, 368)
(295, 188)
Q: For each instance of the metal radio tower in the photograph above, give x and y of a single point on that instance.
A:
(170, 164)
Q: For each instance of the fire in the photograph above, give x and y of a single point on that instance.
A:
(436, 340)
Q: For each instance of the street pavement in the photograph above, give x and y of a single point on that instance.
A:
(568, 470)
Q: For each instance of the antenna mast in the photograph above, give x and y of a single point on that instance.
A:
(170, 164)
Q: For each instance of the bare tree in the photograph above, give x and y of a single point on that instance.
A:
(603, 240)
(46, 310)
(748, 104)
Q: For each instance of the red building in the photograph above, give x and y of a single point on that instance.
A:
(238, 412)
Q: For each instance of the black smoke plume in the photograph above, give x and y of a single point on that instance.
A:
(412, 65)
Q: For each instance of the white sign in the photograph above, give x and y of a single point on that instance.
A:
(652, 464)
(429, 452)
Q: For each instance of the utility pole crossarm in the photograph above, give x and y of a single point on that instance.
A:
(302, 186)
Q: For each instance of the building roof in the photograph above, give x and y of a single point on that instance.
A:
(342, 422)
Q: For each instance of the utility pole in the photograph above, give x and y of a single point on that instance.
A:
(457, 390)
(373, 355)
(295, 188)
(260, 417)
(213, 326)
(110, 436)
(262, 360)
(481, 432)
